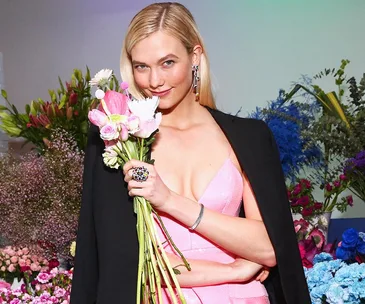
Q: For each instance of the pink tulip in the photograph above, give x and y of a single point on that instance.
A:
(115, 102)
(98, 118)
(123, 135)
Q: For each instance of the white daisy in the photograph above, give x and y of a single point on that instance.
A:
(101, 76)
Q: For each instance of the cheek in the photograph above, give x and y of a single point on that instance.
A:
(180, 76)
(141, 80)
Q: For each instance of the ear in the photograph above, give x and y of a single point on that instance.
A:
(197, 52)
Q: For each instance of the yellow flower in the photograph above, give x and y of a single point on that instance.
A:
(73, 248)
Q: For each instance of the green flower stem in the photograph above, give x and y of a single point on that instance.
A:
(141, 260)
(152, 275)
(167, 262)
(160, 252)
(331, 206)
(186, 264)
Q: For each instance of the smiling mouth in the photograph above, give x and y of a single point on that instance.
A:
(162, 93)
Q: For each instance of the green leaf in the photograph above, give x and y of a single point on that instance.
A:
(3, 108)
(61, 84)
(27, 108)
(4, 94)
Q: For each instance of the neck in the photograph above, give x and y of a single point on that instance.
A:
(183, 115)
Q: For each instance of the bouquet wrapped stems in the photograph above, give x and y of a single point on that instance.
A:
(154, 266)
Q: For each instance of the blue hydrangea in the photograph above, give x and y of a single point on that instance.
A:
(322, 257)
(344, 275)
(317, 293)
(336, 294)
(357, 290)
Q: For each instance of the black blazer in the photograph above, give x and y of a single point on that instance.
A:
(107, 249)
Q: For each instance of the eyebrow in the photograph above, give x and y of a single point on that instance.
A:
(164, 58)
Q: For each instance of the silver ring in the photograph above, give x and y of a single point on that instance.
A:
(140, 174)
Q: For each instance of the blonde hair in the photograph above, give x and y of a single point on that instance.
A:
(176, 20)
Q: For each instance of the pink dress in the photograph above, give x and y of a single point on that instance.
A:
(223, 194)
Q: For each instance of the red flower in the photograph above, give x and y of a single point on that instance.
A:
(24, 268)
(317, 205)
(329, 187)
(303, 201)
(307, 263)
(73, 99)
(350, 200)
(29, 125)
(302, 251)
(307, 211)
(297, 189)
(342, 177)
(306, 182)
(53, 264)
(337, 183)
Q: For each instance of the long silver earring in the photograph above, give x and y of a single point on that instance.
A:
(196, 79)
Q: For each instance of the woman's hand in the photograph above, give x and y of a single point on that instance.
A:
(246, 270)
(153, 189)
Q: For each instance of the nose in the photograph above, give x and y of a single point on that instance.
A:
(156, 79)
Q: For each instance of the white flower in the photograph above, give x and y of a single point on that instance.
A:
(144, 109)
(102, 75)
(99, 94)
(110, 157)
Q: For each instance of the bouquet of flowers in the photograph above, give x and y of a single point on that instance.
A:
(334, 281)
(48, 287)
(352, 247)
(66, 109)
(22, 263)
(355, 171)
(127, 127)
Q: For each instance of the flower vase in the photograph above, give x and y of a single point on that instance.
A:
(321, 222)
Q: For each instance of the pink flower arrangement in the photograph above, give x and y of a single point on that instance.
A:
(332, 192)
(22, 263)
(48, 287)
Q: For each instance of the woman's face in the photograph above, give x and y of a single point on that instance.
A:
(162, 67)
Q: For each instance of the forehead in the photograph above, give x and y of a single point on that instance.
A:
(156, 46)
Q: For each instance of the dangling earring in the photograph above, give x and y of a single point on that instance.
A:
(196, 79)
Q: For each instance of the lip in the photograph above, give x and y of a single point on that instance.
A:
(161, 93)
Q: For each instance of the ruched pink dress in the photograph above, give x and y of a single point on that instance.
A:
(224, 195)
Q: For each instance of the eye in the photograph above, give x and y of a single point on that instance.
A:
(168, 63)
(140, 67)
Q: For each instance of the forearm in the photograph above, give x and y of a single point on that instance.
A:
(245, 238)
(202, 272)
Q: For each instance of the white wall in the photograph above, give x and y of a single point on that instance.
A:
(255, 46)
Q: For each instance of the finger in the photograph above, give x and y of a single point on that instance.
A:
(259, 276)
(137, 192)
(264, 275)
(134, 163)
(132, 184)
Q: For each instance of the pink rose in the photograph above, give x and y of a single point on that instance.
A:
(98, 118)
(7, 262)
(146, 128)
(11, 252)
(109, 132)
(34, 267)
(34, 258)
(3, 268)
(20, 252)
(25, 250)
(11, 268)
(21, 262)
(28, 262)
(14, 259)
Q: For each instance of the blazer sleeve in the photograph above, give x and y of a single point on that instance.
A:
(289, 272)
(85, 276)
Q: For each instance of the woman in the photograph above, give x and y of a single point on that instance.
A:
(209, 168)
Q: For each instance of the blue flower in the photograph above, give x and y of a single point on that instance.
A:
(336, 294)
(345, 254)
(317, 293)
(357, 290)
(350, 238)
(344, 275)
(360, 247)
(322, 257)
(287, 122)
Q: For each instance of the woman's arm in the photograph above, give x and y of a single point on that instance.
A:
(204, 273)
(244, 237)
